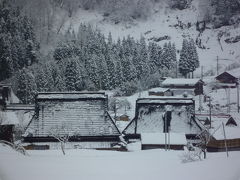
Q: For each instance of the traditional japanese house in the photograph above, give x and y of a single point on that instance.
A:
(226, 80)
(231, 140)
(82, 116)
(180, 86)
(153, 115)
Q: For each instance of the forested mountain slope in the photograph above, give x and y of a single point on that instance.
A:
(56, 45)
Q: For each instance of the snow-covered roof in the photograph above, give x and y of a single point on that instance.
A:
(232, 132)
(235, 72)
(166, 100)
(159, 138)
(180, 81)
(70, 95)
(158, 89)
(8, 118)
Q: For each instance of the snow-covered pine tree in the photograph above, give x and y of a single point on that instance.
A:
(143, 65)
(184, 66)
(167, 56)
(58, 78)
(111, 57)
(81, 77)
(192, 56)
(153, 57)
(102, 72)
(119, 74)
(174, 58)
(26, 86)
(6, 64)
(41, 80)
(92, 69)
(71, 75)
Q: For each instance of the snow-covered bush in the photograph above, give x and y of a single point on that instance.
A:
(129, 88)
(180, 4)
(191, 155)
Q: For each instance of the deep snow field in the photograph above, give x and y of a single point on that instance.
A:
(110, 165)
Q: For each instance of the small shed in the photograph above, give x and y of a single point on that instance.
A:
(232, 132)
(177, 141)
(226, 77)
(160, 92)
(123, 117)
(180, 85)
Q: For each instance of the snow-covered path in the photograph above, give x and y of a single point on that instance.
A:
(91, 165)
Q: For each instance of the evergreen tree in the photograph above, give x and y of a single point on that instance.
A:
(142, 66)
(26, 86)
(183, 61)
(193, 55)
(71, 75)
(119, 74)
(153, 57)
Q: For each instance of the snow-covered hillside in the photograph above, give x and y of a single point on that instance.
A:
(165, 22)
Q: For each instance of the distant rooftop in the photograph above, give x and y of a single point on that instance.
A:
(158, 89)
(70, 95)
(164, 100)
(180, 81)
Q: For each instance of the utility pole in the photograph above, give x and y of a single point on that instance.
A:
(176, 69)
(238, 96)
(202, 72)
(210, 111)
(165, 130)
(225, 141)
(217, 65)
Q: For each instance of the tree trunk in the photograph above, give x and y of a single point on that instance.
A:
(63, 147)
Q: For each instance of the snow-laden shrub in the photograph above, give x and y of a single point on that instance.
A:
(180, 4)
(191, 155)
(129, 88)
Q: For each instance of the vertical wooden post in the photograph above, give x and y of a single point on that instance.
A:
(210, 112)
(225, 141)
(202, 72)
(237, 97)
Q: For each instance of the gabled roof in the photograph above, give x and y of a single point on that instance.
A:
(165, 100)
(226, 74)
(231, 121)
(159, 89)
(70, 95)
(180, 82)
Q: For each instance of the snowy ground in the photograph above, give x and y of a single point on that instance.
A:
(92, 164)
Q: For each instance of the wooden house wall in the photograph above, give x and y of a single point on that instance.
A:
(219, 145)
(162, 146)
(79, 118)
(197, 88)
